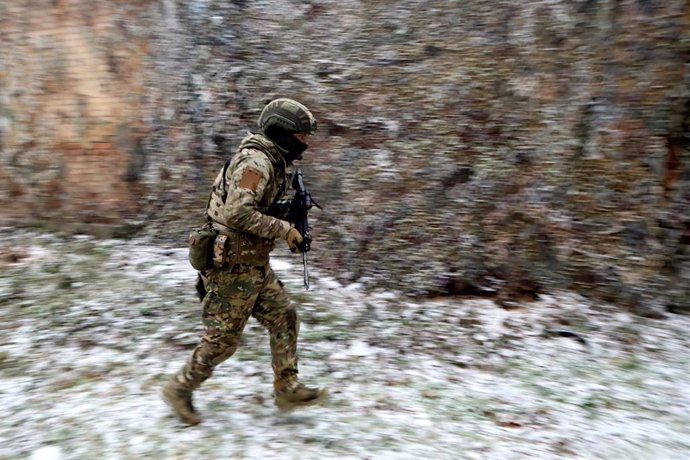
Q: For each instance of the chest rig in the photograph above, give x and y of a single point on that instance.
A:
(234, 246)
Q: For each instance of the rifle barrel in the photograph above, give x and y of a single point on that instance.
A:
(306, 271)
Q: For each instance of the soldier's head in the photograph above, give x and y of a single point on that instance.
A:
(288, 124)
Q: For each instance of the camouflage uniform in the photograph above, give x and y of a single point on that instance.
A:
(241, 282)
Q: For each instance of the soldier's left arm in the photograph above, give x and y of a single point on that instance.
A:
(247, 184)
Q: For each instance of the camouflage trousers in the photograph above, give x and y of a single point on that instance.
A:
(233, 295)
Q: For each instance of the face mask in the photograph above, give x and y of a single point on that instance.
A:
(290, 146)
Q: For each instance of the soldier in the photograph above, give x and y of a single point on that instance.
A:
(241, 282)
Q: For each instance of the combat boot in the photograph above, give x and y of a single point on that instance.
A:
(180, 401)
(294, 394)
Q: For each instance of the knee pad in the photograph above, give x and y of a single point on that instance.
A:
(226, 352)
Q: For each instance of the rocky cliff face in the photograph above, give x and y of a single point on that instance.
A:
(464, 146)
(72, 89)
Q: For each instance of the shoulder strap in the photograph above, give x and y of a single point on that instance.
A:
(225, 187)
(255, 144)
(281, 192)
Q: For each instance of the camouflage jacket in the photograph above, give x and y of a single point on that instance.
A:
(253, 178)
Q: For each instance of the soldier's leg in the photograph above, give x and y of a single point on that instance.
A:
(226, 309)
(276, 313)
(223, 328)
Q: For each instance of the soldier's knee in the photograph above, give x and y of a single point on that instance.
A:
(212, 353)
(224, 354)
(225, 348)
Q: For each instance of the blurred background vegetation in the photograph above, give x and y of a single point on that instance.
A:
(480, 147)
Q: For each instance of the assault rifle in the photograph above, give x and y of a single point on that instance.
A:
(298, 215)
(296, 211)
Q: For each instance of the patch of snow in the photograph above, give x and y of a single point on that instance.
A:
(440, 379)
(47, 453)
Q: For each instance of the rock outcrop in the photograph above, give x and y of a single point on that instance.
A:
(464, 147)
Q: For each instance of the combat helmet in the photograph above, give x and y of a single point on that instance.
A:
(283, 117)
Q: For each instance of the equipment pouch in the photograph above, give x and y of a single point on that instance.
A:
(201, 242)
(220, 251)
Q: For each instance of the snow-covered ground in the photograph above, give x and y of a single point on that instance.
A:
(90, 330)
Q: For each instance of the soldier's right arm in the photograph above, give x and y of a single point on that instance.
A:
(247, 182)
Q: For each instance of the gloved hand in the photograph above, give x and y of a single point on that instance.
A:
(294, 239)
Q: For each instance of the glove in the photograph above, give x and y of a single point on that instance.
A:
(294, 239)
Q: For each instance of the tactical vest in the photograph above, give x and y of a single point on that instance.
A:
(234, 246)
